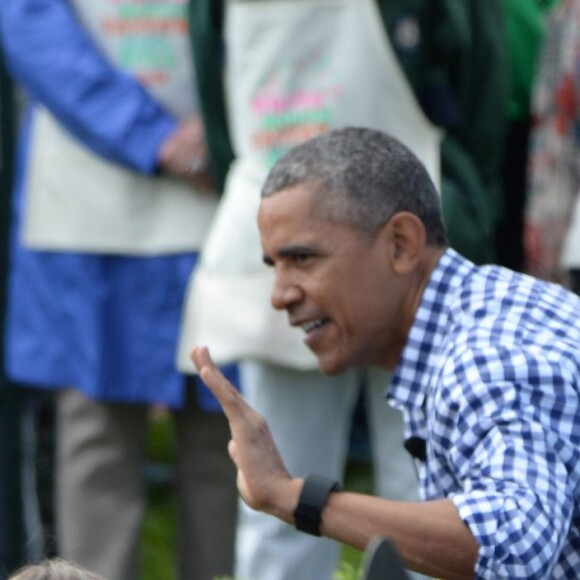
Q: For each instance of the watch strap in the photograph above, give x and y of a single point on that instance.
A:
(313, 498)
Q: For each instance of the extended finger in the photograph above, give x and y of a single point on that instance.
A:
(226, 394)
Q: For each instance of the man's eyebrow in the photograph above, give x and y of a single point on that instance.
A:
(289, 252)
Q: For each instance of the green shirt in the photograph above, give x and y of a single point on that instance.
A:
(525, 27)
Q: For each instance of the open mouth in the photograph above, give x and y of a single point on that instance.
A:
(312, 325)
(313, 330)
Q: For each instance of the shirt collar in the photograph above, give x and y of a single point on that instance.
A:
(413, 372)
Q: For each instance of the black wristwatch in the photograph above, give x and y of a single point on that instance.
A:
(313, 498)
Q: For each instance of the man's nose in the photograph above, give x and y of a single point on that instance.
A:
(284, 292)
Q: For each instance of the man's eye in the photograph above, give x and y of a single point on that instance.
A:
(300, 258)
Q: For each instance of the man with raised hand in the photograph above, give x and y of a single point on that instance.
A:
(485, 362)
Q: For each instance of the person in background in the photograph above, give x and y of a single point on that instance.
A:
(552, 227)
(485, 362)
(111, 204)
(525, 28)
(271, 75)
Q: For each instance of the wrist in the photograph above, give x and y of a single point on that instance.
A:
(284, 502)
(311, 502)
(159, 145)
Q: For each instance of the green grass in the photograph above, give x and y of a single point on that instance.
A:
(160, 527)
(160, 523)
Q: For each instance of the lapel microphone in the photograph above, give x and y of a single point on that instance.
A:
(417, 447)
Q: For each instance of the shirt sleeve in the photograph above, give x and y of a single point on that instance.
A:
(513, 456)
(53, 58)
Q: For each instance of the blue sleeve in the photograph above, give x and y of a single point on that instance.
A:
(52, 57)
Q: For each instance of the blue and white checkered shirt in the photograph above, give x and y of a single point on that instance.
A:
(490, 378)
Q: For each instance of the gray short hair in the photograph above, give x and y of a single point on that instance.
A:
(54, 569)
(363, 177)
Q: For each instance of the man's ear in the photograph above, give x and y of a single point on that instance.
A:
(407, 239)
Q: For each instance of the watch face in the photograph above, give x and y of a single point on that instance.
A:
(381, 560)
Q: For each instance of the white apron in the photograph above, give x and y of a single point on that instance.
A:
(78, 201)
(295, 69)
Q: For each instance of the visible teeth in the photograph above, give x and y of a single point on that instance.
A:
(311, 325)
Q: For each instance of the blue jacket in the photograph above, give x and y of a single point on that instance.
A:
(130, 355)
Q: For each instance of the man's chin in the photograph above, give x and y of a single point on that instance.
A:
(331, 367)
